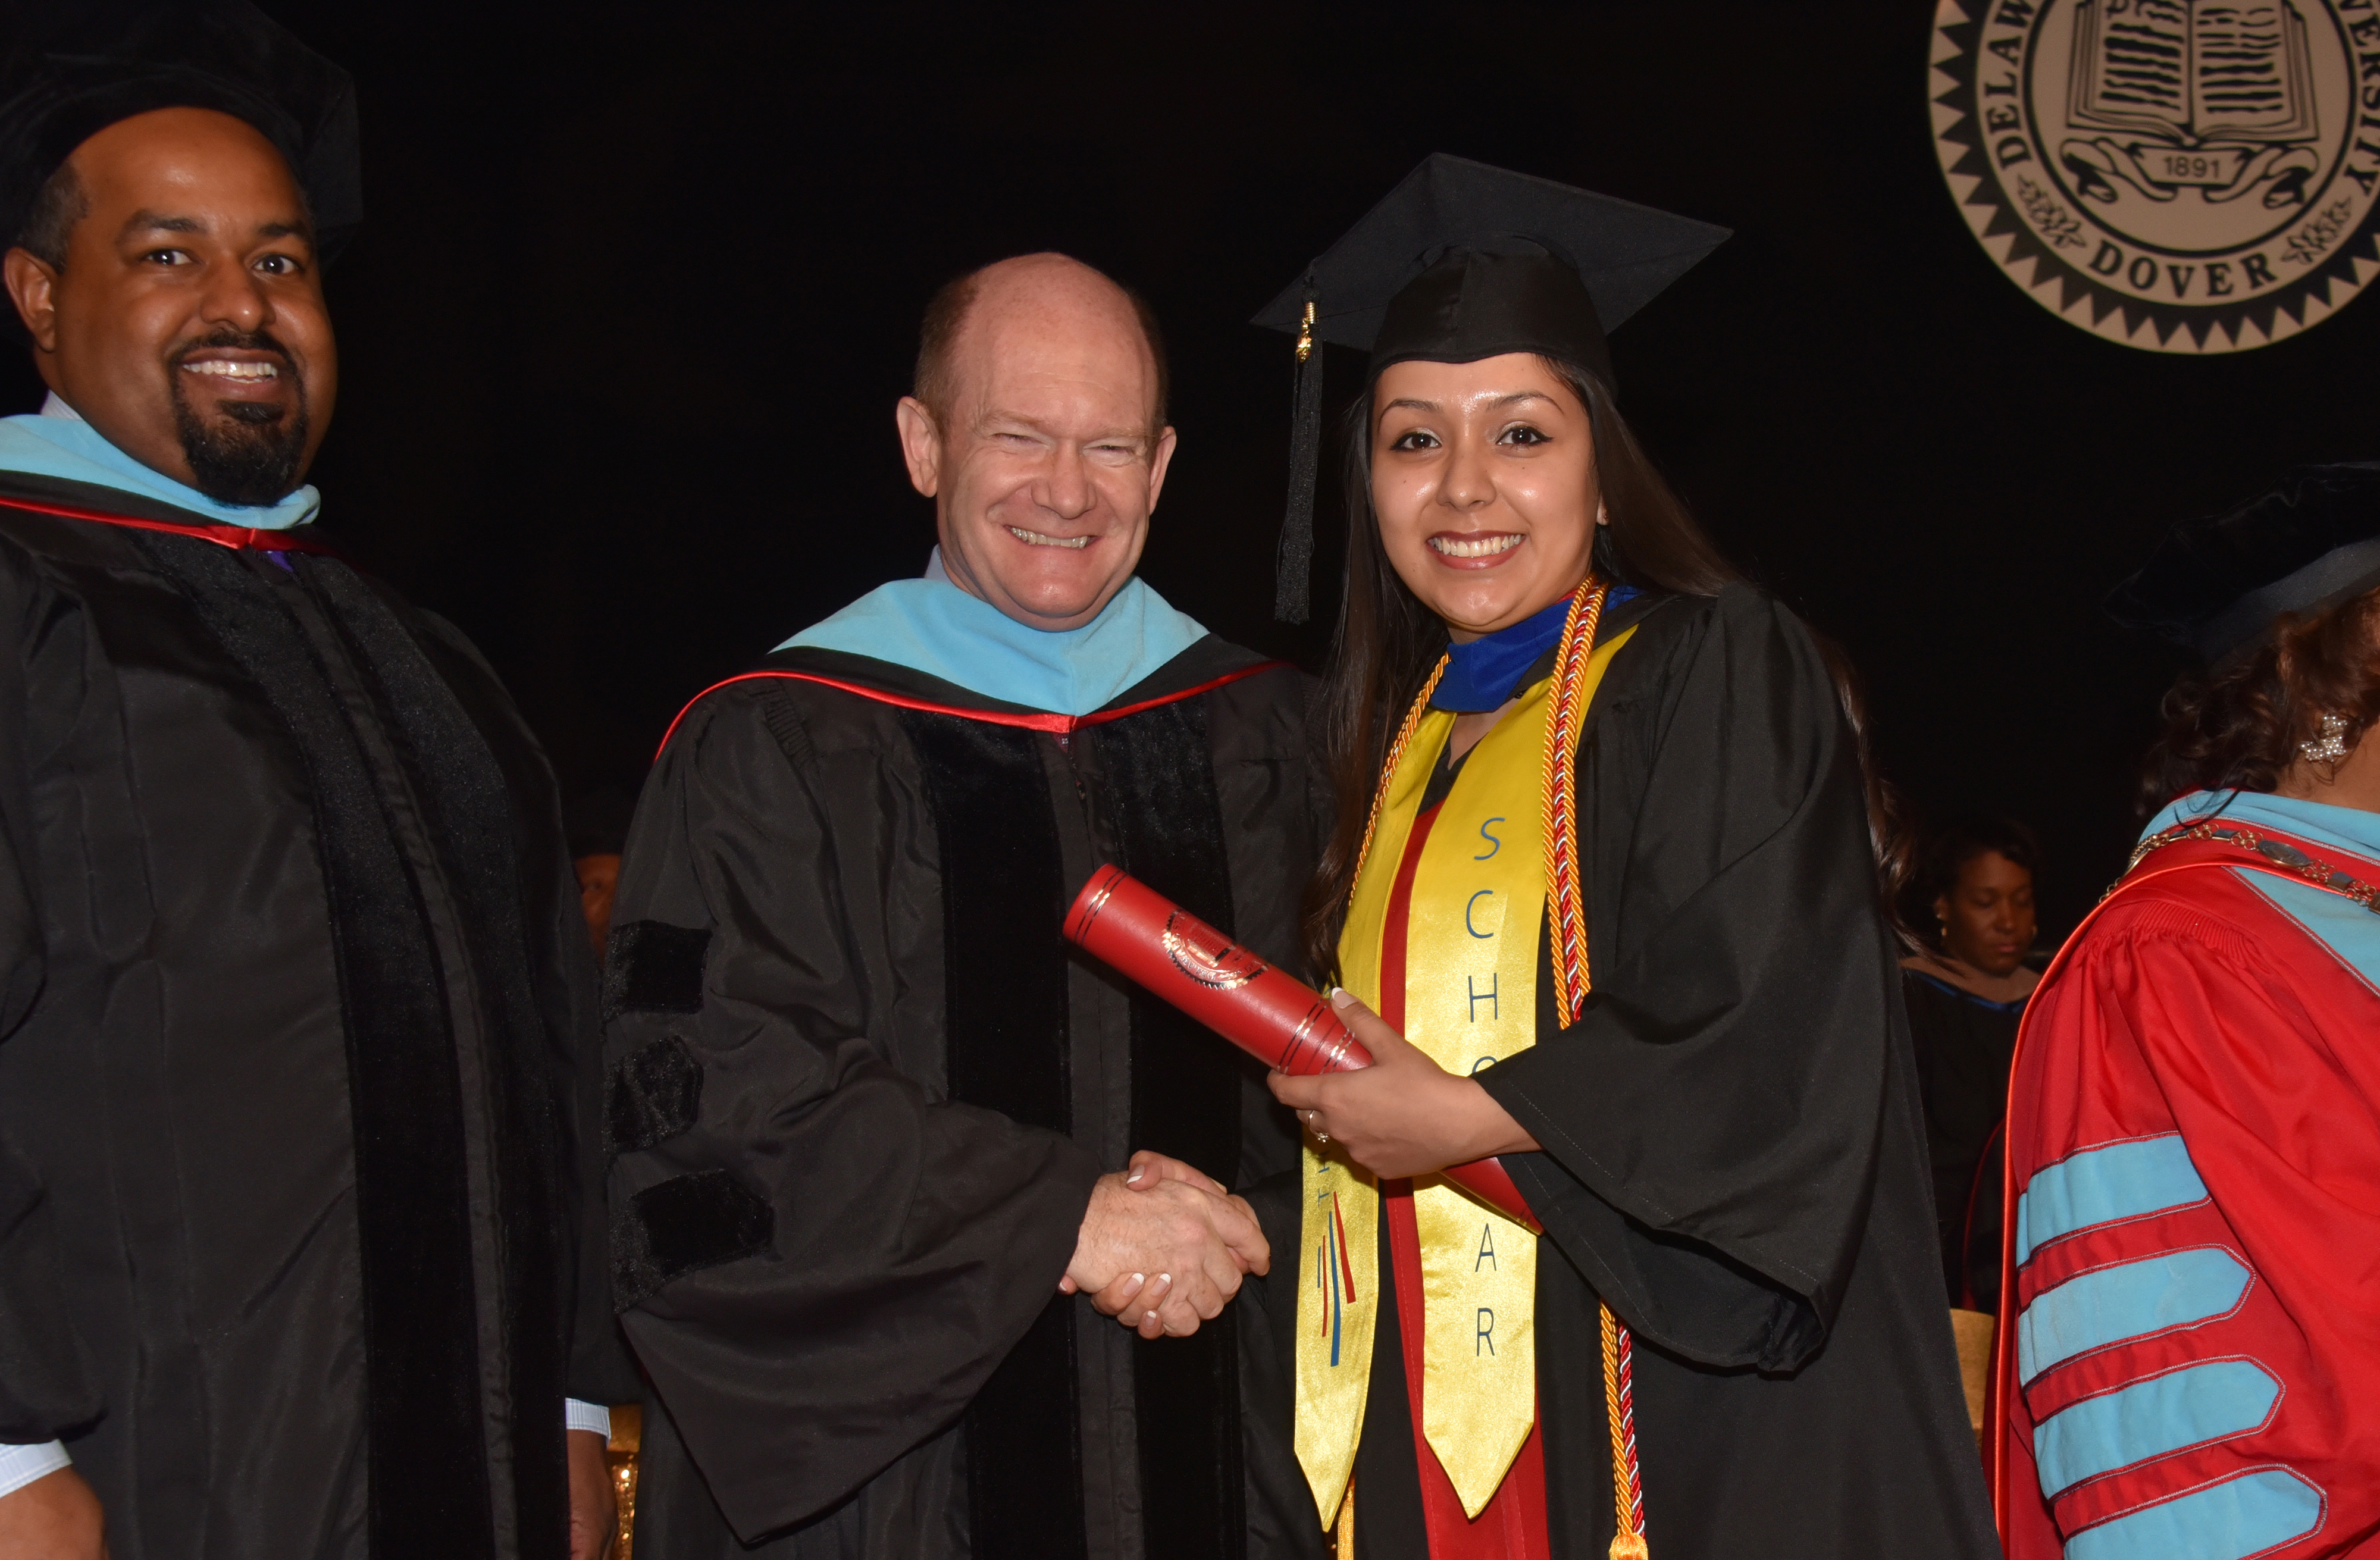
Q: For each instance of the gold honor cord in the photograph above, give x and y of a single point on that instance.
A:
(1505, 836)
(1572, 693)
(1620, 1409)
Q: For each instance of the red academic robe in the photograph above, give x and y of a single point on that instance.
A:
(2190, 1323)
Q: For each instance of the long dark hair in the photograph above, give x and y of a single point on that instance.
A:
(1891, 831)
(2237, 727)
(1386, 640)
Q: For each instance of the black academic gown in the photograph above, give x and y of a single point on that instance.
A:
(296, 1037)
(861, 1090)
(1965, 1046)
(1732, 1149)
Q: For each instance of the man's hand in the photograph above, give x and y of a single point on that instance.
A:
(54, 1517)
(1147, 1170)
(1144, 1172)
(1404, 1115)
(594, 1506)
(1162, 1248)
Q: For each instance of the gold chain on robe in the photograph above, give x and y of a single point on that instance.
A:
(1478, 905)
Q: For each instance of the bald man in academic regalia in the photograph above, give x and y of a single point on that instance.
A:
(876, 1130)
(296, 1020)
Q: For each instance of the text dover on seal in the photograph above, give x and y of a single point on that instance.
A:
(2180, 176)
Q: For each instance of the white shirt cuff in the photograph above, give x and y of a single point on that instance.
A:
(587, 1416)
(19, 1466)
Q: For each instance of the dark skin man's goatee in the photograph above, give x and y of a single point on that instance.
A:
(247, 453)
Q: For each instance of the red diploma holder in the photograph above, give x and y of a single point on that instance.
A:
(1273, 1017)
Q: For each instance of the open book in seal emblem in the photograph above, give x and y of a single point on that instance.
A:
(2182, 175)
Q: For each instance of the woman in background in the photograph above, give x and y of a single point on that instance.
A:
(2189, 1350)
(1965, 993)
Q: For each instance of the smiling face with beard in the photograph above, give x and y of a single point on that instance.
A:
(185, 324)
(240, 452)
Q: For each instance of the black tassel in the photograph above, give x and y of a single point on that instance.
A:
(1293, 569)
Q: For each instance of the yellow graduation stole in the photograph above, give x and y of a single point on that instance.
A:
(1477, 899)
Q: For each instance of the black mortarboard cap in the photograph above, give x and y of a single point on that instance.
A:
(73, 67)
(2216, 585)
(1458, 262)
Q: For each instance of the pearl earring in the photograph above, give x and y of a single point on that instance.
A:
(2332, 745)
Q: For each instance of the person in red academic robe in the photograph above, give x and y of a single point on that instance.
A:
(2188, 1363)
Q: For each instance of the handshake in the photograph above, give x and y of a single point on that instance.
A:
(1163, 1248)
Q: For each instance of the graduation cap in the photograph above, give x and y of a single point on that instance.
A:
(2216, 585)
(1458, 262)
(73, 67)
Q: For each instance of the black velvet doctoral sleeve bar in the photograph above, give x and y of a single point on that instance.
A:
(562, 976)
(1711, 1120)
(820, 1259)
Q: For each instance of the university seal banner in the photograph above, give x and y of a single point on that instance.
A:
(2180, 176)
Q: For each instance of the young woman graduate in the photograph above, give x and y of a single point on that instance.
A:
(2189, 1350)
(1601, 862)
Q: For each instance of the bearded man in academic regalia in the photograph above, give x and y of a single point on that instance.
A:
(297, 1015)
(875, 1130)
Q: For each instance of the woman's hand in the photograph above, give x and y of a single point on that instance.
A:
(1404, 1115)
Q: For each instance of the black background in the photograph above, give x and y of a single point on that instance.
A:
(638, 287)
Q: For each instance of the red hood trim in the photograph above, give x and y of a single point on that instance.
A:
(1056, 725)
(238, 538)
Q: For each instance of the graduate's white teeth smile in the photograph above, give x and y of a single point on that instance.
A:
(234, 370)
(1495, 545)
(1035, 539)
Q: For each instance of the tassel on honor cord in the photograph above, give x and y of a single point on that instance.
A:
(1619, 1407)
(1293, 568)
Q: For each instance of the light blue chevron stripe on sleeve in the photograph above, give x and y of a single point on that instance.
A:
(2123, 1180)
(2149, 1418)
(2240, 1517)
(2349, 931)
(2093, 1310)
